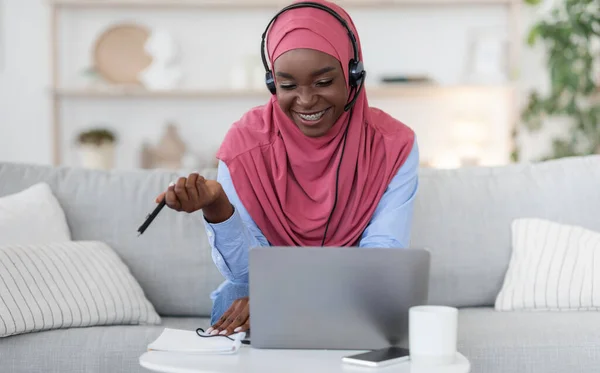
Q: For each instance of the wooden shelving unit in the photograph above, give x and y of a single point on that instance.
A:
(377, 92)
(59, 93)
(118, 93)
(259, 3)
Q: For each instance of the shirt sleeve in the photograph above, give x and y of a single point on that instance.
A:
(232, 239)
(391, 223)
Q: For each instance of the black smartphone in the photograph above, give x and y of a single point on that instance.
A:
(379, 358)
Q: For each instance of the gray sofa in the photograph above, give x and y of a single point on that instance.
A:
(462, 215)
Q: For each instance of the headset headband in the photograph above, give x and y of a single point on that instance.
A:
(307, 4)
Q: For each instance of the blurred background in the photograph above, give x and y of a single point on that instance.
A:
(125, 84)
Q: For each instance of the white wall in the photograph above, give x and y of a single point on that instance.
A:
(24, 79)
(404, 40)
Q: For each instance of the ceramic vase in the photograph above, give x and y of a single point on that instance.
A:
(99, 157)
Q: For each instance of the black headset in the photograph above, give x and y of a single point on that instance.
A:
(356, 72)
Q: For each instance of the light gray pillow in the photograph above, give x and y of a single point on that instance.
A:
(32, 215)
(68, 285)
(552, 268)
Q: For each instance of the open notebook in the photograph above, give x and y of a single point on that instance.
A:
(187, 341)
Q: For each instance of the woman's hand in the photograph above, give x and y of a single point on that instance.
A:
(191, 194)
(196, 193)
(236, 319)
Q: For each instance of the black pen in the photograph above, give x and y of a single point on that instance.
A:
(152, 215)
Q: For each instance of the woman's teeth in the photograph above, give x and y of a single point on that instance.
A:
(312, 117)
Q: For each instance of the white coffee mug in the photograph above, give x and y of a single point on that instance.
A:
(433, 334)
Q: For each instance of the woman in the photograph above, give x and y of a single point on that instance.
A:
(301, 170)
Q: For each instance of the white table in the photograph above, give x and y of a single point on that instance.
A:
(251, 360)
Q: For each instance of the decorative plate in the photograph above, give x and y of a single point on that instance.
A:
(120, 55)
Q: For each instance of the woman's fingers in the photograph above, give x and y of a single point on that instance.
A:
(191, 189)
(237, 318)
(242, 318)
(171, 198)
(187, 194)
(201, 187)
(181, 191)
(234, 315)
(160, 197)
(215, 329)
(243, 328)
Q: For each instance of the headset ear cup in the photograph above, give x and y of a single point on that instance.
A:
(356, 73)
(270, 82)
(352, 73)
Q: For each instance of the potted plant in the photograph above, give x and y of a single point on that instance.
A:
(571, 35)
(97, 148)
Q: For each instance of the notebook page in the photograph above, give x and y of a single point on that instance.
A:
(177, 340)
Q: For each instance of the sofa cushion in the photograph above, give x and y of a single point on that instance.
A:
(525, 341)
(68, 284)
(94, 349)
(552, 268)
(31, 216)
(171, 260)
(464, 217)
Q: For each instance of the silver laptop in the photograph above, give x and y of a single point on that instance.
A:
(334, 298)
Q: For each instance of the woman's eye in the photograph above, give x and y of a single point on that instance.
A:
(325, 83)
(287, 86)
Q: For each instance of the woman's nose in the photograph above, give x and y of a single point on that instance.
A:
(306, 97)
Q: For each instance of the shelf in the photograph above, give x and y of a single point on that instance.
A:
(375, 92)
(143, 93)
(420, 90)
(258, 3)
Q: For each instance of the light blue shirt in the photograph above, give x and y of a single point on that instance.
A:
(389, 227)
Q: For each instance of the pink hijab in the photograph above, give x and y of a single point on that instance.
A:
(287, 180)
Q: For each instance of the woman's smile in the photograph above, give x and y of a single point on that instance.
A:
(310, 119)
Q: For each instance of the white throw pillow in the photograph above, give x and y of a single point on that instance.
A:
(32, 216)
(554, 267)
(68, 285)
